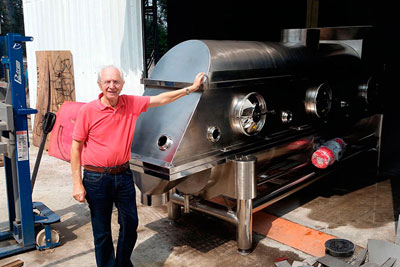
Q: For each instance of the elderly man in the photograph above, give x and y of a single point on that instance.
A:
(101, 143)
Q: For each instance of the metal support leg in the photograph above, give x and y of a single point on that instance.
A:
(186, 203)
(245, 226)
(246, 189)
(378, 146)
(174, 210)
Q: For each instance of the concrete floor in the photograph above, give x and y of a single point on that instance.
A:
(351, 205)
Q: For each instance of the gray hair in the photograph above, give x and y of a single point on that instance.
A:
(109, 67)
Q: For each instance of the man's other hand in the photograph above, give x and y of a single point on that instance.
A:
(79, 192)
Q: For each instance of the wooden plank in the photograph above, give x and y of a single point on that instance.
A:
(330, 261)
(16, 263)
(381, 250)
(389, 263)
(55, 86)
(361, 257)
(42, 96)
(282, 264)
(397, 241)
(61, 79)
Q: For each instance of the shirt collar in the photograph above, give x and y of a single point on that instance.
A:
(120, 103)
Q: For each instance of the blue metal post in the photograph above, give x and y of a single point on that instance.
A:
(24, 233)
(19, 189)
(18, 97)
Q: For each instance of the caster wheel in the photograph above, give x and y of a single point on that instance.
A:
(41, 238)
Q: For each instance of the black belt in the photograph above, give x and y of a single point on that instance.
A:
(109, 170)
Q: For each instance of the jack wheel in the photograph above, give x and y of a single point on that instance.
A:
(41, 238)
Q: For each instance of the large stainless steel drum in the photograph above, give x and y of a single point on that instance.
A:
(289, 111)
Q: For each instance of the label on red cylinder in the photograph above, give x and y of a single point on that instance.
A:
(323, 157)
(328, 153)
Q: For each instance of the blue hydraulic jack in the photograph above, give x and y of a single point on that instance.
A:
(24, 215)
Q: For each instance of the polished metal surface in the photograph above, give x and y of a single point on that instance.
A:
(213, 133)
(186, 203)
(248, 134)
(318, 101)
(164, 142)
(183, 62)
(215, 211)
(245, 225)
(307, 37)
(246, 183)
(166, 136)
(369, 90)
(184, 126)
(160, 130)
(286, 116)
(249, 114)
(229, 60)
(246, 190)
(312, 37)
(345, 33)
(174, 210)
(154, 200)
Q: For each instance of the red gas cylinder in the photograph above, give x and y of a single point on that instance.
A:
(328, 153)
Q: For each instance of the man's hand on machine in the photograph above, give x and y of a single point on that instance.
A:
(79, 192)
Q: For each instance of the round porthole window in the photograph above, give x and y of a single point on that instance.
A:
(318, 101)
(249, 114)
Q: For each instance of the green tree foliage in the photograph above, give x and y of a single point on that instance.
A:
(162, 26)
(162, 32)
(11, 16)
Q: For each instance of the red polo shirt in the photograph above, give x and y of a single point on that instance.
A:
(107, 132)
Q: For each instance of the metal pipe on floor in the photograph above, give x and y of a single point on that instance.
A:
(218, 213)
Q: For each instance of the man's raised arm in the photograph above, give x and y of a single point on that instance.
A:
(168, 97)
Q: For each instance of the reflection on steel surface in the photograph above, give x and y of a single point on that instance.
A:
(318, 100)
(213, 133)
(248, 136)
(164, 142)
(249, 114)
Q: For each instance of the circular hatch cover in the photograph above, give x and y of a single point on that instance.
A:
(339, 247)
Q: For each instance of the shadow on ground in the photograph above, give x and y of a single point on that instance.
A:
(355, 195)
(78, 216)
(200, 240)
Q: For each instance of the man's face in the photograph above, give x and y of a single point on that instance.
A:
(111, 83)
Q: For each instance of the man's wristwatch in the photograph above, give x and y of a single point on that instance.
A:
(187, 90)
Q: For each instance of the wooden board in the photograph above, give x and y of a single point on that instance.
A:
(16, 263)
(55, 86)
(42, 96)
(61, 79)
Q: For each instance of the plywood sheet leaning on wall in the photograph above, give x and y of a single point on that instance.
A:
(55, 74)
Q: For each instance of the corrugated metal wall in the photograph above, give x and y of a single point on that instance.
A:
(97, 32)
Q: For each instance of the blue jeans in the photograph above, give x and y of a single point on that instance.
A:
(102, 190)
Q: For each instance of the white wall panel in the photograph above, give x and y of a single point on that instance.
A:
(97, 32)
